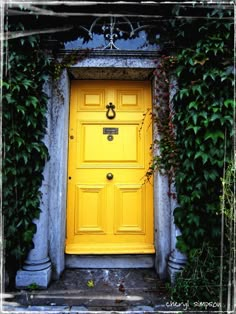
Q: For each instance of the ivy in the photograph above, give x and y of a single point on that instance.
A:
(24, 153)
(196, 127)
(203, 124)
(195, 146)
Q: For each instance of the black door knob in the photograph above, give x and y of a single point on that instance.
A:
(109, 176)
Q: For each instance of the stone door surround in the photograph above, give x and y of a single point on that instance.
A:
(107, 65)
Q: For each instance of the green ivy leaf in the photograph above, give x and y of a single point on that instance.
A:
(32, 100)
(229, 103)
(202, 155)
(195, 128)
(193, 104)
(184, 92)
(214, 135)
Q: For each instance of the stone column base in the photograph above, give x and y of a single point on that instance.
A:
(176, 263)
(39, 278)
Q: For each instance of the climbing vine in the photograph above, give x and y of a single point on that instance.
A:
(24, 106)
(165, 161)
(204, 124)
(196, 128)
(203, 138)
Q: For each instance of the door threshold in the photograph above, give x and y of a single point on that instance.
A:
(110, 261)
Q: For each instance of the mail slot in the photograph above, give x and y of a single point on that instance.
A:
(110, 131)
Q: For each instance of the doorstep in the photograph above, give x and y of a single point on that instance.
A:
(94, 290)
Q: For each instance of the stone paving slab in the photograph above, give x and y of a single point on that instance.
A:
(136, 310)
(95, 291)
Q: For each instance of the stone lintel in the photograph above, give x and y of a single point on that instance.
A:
(115, 65)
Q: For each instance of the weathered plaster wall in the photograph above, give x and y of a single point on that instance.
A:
(59, 113)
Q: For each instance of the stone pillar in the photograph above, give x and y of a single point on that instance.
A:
(162, 224)
(176, 260)
(162, 208)
(37, 268)
(59, 120)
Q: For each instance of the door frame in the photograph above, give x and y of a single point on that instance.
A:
(99, 65)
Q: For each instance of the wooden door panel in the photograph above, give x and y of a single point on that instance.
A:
(90, 209)
(129, 209)
(109, 216)
(130, 100)
(91, 99)
(122, 147)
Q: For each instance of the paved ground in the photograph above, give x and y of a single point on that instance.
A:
(94, 290)
(98, 291)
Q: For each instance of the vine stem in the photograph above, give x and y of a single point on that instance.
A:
(222, 232)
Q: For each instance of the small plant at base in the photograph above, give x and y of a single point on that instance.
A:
(200, 279)
(32, 286)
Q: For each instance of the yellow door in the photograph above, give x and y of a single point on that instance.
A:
(109, 202)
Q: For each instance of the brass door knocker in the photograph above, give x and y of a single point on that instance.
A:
(110, 111)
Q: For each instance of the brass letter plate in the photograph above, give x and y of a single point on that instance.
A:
(110, 131)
